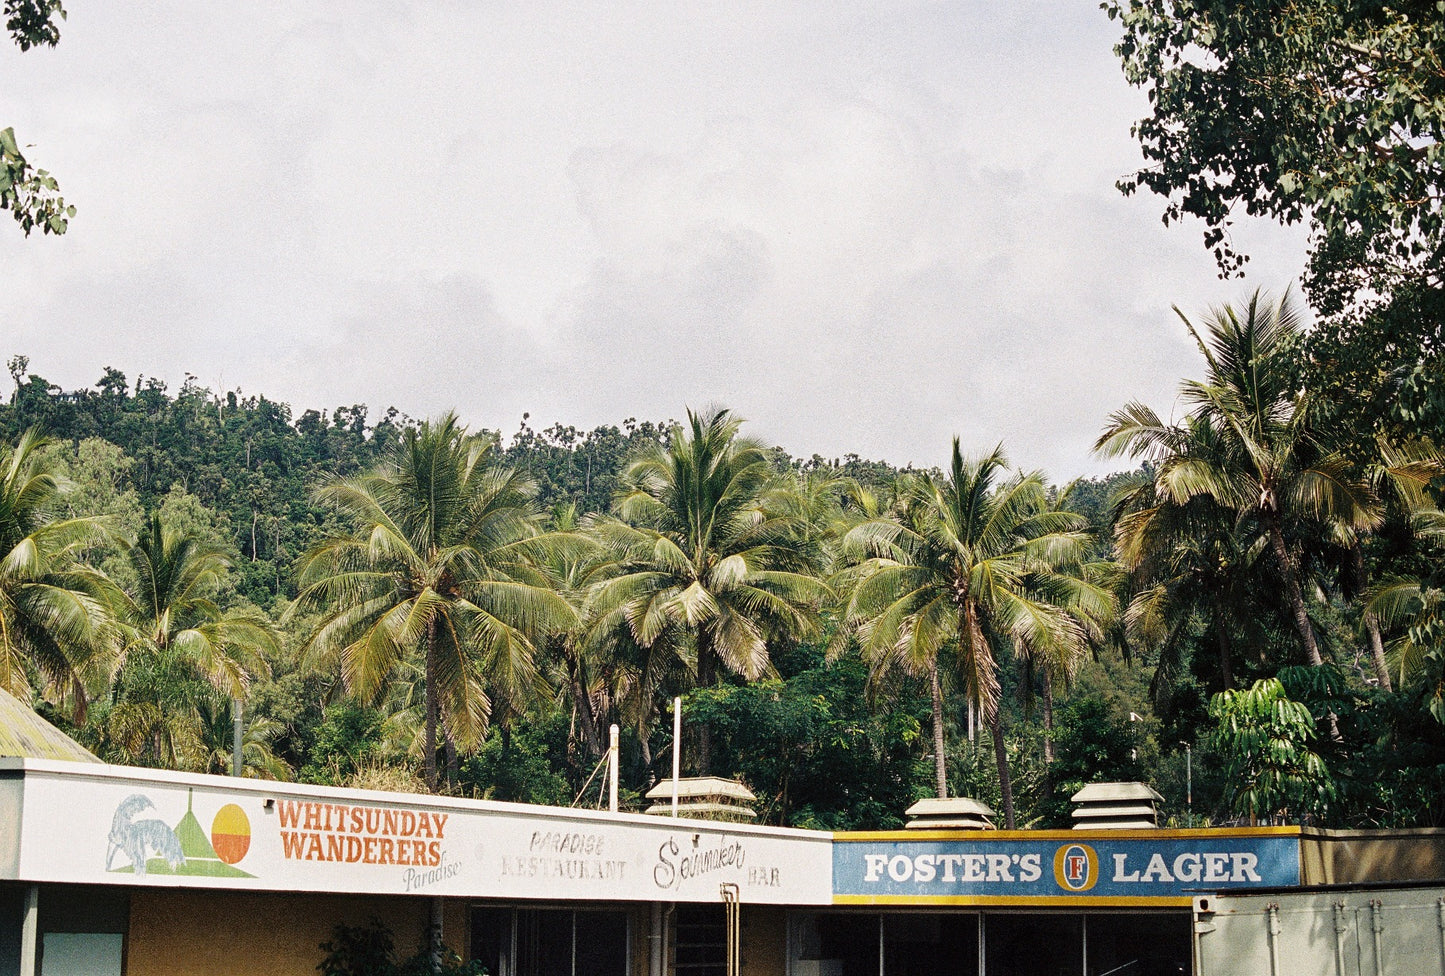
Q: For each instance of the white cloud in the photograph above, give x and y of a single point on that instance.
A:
(865, 226)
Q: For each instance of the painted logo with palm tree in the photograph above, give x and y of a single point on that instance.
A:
(152, 847)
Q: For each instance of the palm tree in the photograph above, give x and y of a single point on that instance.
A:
(969, 564)
(1402, 475)
(1261, 458)
(174, 611)
(258, 760)
(1086, 591)
(51, 617)
(709, 553)
(1185, 563)
(439, 565)
(1416, 606)
(180, 651)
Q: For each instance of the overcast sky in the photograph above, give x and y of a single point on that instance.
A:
(865, 227)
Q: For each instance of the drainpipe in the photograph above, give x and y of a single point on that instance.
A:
(1340, 929)
(1377, 925)
(732, 902)
(30, 933)
(1273, 910)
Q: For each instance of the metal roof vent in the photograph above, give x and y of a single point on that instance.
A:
(952, 813)
(703, 798)
(1116, 806)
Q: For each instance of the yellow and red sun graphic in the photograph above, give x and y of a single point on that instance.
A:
(231, 833)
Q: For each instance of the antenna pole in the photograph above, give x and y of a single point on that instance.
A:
(676, 748)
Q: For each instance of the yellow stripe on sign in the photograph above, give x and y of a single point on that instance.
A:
(997, 901)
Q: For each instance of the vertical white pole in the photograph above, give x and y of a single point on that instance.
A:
(676, 748)
(30, 932)
(612, 771)
(1189, 782)
(237, 734)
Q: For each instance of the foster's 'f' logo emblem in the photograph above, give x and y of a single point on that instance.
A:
(1076, 867)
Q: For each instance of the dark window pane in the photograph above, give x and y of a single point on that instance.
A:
(701, 948)
(544, 943)
(12, 910)
(601, 944)
(1139, 944)
(1033, 945)
(491, 929)
(851, 942)
(930, 945)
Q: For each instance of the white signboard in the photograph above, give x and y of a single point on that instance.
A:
(126, 827)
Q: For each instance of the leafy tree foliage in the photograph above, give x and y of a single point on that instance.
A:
(1267, 740)
(1327, 113)
(830, 742)
(1249, 446)
(812, 749)
(31, 195)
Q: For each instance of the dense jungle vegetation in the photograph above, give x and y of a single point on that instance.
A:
(411, 604)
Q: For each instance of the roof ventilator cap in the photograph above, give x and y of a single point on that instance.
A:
(1116, 806)
(703, 798)
(951, 813)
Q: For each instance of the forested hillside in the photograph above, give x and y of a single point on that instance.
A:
(407, 603)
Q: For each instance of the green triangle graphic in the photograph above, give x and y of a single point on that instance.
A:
(194, 842)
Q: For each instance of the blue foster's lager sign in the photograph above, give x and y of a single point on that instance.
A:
(1096, 866)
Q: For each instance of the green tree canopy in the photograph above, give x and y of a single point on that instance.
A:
(1324, 112)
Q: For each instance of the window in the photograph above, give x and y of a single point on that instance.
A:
(701, 945)
(1138, 944)
(895, 944)
(550, 941)
(1033, 945)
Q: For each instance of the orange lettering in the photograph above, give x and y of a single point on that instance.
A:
(335, 849)
(291, 843)
(313, 816)
(388, 822)
(385, 855)
(368, 853)
(434, 853)
(290, 813)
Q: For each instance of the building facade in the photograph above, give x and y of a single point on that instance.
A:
(109, 870)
